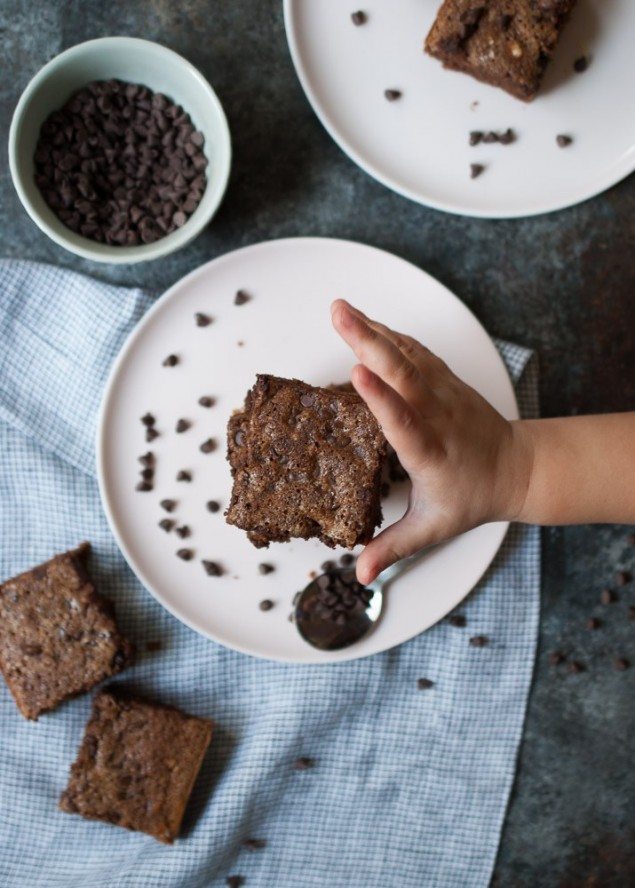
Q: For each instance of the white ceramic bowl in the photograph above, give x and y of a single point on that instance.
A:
(135, 61)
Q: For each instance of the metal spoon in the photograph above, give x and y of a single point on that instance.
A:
(323, 629)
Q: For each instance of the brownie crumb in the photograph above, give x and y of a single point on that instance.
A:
(359, 18)
(184, 554)
(556, 658)
(563, 141)
(208, 446)
(166, 524)
(303, 763)
(392, 94)
(241, 297)
(266, 604)
(212, 506)
(581, 64)
(183, 475)
(169, 505)
(202, 320)
(479, 641)
(265, 568)
(457, 620)
(424, 684)
(254, 844)
(212, 568)
(475, 170)
(171, 361)
(621, 664)
(182, 426)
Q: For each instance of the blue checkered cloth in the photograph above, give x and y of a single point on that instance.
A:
(409, 788)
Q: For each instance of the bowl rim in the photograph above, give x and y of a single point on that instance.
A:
(119, 255)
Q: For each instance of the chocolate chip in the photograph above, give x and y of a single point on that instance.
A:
(143, 486)
(265, 568)
(151, 434)
(212, 568)
(171, 361)
(254, 844)
(392, 94)
(241, 297)
(183, 475)
(507, 137)
(235, 881)
(206, 401)
(303, 763)
(307, 400)
(593, 623)
(147, 459)
(168, 504)
(183, 531)
(608, 596)
(621, 664)
(359, 17)
(581, 64)
(212, 506)
(475, 170)
(479, 641)
(623, 577)
(424, 684)
(185, 554)
(148, 419)
(266, 604)
(166, 524)
(182, 426)
(457, 620)
(476, 136)
(202, 320)
(326, 566)
(31, 650)
(208, 446)
(505, 21)
(147, 474)
(563, 141)
(347, 559)
(575, 667)
(490, 137)
(556, 658)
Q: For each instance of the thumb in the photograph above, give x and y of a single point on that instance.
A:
(401, 539)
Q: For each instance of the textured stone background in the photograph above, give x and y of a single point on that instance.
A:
(563, 284)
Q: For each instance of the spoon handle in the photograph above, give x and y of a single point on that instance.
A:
(396, 570)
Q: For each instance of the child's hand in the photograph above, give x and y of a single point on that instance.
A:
(467, 464)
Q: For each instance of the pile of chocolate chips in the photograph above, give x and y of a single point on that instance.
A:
(120, 164)
(340, 594)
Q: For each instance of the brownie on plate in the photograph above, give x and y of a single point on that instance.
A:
(58, 635)
(306, 463)
(137, 764)
(505, 43)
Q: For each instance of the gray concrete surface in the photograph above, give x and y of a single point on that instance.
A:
(563, 284)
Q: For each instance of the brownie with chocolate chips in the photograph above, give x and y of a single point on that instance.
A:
(137, 764)
(506, 43)
(306, 462)
(58, 635)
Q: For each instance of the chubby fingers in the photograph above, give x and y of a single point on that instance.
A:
(401, 539)
(378, 352)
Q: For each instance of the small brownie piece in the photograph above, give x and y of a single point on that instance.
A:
(137, 764)
(505, 43)
(306, 463)
(58, 635)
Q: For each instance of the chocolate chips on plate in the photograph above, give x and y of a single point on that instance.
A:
(120, 164)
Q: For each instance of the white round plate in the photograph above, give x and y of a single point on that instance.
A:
(418, 145)
(284, 329)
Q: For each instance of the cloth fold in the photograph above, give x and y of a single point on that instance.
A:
(409, 787)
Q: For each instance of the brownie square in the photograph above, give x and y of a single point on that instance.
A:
(137, 764)
(58, 635)
(505, 43)
(306, 462)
